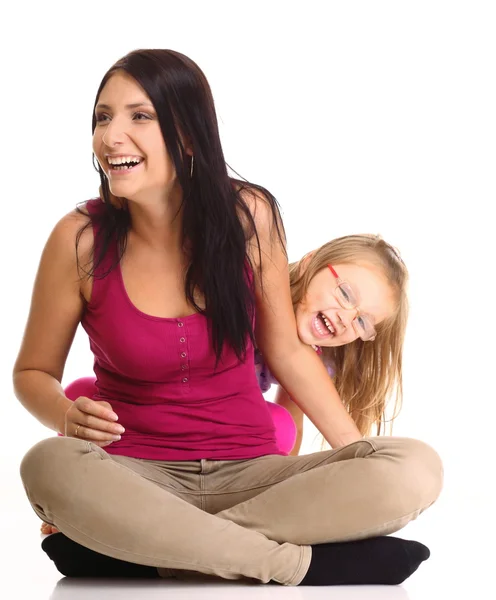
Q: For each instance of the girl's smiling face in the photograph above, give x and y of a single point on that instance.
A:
(320, 318)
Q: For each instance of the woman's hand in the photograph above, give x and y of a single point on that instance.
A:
(93, 421)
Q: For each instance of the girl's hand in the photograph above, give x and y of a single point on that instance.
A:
(93, 421)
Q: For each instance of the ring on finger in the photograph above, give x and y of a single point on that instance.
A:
(77, 429)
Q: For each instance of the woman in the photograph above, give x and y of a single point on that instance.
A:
(169, 305)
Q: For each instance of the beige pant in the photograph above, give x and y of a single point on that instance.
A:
(234, 519)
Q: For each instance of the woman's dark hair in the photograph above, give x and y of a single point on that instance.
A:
(213, 205)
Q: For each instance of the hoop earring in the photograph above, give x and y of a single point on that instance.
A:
(191, 169)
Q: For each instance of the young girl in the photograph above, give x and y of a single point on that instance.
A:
(166, 286)
(362, 352)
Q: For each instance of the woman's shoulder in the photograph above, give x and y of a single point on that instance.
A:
(69, 225)
(73, 231)
(261, 220)
(81, 215)
(258, 200)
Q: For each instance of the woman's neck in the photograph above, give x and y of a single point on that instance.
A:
(157, 223)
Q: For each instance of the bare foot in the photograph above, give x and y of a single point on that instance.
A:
(47, 529)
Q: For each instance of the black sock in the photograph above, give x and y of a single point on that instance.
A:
(74, 560)
(380, 560)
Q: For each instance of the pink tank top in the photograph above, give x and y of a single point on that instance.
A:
(159, 376)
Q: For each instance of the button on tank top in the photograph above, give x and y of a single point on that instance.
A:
(159, 376)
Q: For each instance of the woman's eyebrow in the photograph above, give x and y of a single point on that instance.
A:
(135, 105)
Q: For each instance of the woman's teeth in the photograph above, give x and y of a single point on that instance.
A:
(121, 163)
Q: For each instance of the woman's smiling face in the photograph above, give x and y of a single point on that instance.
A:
(127, 129)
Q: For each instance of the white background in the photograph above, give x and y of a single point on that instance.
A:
(368, 116)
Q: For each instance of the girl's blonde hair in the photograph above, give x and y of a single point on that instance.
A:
(367, 374)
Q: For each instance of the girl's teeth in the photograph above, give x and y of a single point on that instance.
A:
(317, 326)
(328, 327)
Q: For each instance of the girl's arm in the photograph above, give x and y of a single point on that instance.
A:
(282, 398)
(295, 365)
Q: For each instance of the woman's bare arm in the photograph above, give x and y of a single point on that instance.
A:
(55, 312)
(294, 364)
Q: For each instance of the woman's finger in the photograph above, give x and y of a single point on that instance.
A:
(101, 425)
(93, 435)
(93, 421)
(96, 409)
